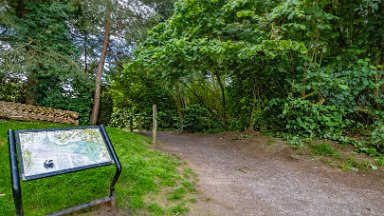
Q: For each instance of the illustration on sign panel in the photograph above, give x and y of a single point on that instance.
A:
(45, 152)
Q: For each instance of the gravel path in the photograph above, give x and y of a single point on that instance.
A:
(257, 175)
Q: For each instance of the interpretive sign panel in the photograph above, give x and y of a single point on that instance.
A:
(48, 152)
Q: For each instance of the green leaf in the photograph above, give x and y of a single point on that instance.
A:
(343, 87)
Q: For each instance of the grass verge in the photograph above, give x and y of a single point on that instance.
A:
(340, 157)
(152, 183)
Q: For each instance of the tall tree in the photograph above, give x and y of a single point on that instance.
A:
(38, 52)
(100, 67)
(50, 50)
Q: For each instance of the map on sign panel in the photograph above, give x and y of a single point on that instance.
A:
(62, 150)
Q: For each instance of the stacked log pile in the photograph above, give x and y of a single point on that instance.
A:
(10, 110)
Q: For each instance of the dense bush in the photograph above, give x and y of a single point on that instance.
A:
(198, 119)
(121, 118)
(305, 118)
(302, 68)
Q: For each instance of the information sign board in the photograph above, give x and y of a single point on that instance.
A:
(44, 153)
(48, 152)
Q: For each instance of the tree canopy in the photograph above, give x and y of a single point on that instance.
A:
(304, 68)
(49, 49)
(299, 68)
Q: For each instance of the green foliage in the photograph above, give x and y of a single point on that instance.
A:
(352, 165)
(308, 119)
(61, 100)
(39, 58)
(49, 49)
(10, 91)
(301, 68)
(120, 118)
(197, 118)
(106, 107)
(296, 141)
(304, 68)
(376, 137)
(147, 175)
(380, 160)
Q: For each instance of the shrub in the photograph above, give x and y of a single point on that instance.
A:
(305, 118)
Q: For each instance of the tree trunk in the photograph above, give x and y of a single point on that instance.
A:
(99, 70)
(222, 96)
(85, 54)
(179, 104)
(382, 56)
(31, 77)
(31, 87)
(32, 80)
(21, 9)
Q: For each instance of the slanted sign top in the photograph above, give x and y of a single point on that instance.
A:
(54, 151)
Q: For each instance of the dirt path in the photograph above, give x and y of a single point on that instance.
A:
(262, 176)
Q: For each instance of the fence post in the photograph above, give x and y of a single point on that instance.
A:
(154, 124)
(139, 123)
(131, 123)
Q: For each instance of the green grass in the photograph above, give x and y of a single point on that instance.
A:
(270, 141)
(324, 149)
(147, 174)
(177, 194)
(351, 164)
(348, 162)
(179, 209)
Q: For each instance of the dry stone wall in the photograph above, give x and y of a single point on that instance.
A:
(10, 110)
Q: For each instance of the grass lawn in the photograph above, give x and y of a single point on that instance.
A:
(151, 183)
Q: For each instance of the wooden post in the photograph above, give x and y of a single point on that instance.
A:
(139, 124)
(154, 125)
(131, 124)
